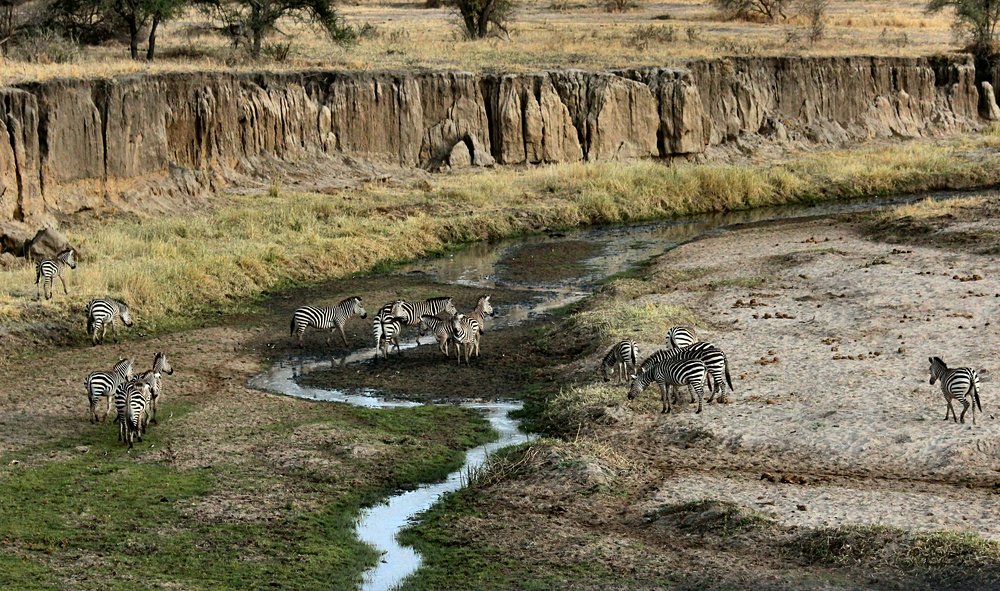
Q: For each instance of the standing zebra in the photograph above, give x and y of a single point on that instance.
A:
(713, 358)
(441, 329)
(679, 337)
(471, 326)
(160, 366)
(104, 384)
(410, 312)
(132, 402)
(957, 384)
(105, 311)
(327, 318)
(690, 372)
(47, 269)
(390, 328)
(618, 360)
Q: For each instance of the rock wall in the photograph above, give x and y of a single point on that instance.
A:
(67, 145)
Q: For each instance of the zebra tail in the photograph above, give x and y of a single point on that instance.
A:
(292, 327)
(975, 394)
(729, 380)
(38, 272)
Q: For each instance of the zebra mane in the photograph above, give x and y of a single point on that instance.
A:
(937, 361)
(439, 299)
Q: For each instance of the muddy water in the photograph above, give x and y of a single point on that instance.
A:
(609, 250)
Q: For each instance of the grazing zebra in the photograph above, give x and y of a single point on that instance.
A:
(410, 312)
(689, 372)
(101, 313)
(132, 402)
(104, 384)
(709, 354)
(679, 337)
(618, 360)
(442, 331)
(471, 326)
(957, 384)
(324, 318)
(47, 269)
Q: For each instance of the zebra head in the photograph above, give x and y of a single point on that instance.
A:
(938, 368)
(161, 365)
(449, 307)
(398, 309)
(123, 368)
(635, 388)
(126, 315)
(604, 371)
(425, 326)
(485, 306)
(68, 256)
(358, 308)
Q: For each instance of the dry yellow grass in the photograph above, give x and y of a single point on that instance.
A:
(545, 34)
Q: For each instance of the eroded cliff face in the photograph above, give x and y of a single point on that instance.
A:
(67, 145)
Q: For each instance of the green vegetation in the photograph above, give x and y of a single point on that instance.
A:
(111, 520)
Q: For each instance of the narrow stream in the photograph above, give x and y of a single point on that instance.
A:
(480, 265)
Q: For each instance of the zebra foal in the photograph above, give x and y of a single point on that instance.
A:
(621, 361)
(442, 331)
(327, 318)
(471, 327)
(48, 269)
(957, 384)
(690, 372)
(103, 312)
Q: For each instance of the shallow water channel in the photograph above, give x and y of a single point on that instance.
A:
(610, 250)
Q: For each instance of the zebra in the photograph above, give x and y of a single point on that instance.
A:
(679, 337)
(132, 402)
(105, 311)
(47, 269)
(709, 354)
(471, 326)
(410, 312)
(688, 372)
(957, 384)
(618, 360)
(324, 318)
(390, 328)
(382, 320)
(160, 366)
(442, 331)
(104, 384)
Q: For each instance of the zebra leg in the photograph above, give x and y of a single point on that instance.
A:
(950, 408)
(107, 411)
(152, 406)
(965, 407)
(63, 281)
(93, 410)
(700, 389)
(343, 336)
(664, 396)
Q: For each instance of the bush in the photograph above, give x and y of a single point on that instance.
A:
(756, 10)
(643, 37)
(43, 47)
(977, 19)
(482, 18)
(815, 13)
(618, 5)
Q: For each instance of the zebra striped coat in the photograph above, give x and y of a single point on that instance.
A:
(410, 312)
(957, 384)
(620, 360)
(385, 330)
(132, 402)
(327, 318)
(161, 366)
(709, 354)
(471, 327)
(103, 384)
(48, 269)
(679, 337)
(689, 372)
(442, 331)
(104, 312)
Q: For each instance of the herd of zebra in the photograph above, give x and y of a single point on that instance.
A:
(437, 316)
(135, 396)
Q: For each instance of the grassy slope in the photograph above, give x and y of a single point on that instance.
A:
(107, 520)
(177, 269)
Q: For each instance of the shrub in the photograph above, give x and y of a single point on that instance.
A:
(768, 10)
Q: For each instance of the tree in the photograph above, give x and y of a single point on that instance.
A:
(815, 12)
(97, 21)
(752, 9)
(137, 14)
(256, 19)
(978, 18)
(480, 18)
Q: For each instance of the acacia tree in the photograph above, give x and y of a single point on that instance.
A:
(752, 9)
(137, 14)
(256, 19)
(977, 18)
(482, 17)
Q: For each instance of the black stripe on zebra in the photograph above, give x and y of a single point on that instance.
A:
(383, 313)
(472, 326)
(679, 337)
(713, 357)
(689, 372)
(48, 269)
(620, 360)
(102, 384)
(410, 312)
(956, 384)
(327, 318)
(105, 311)
(390, 329)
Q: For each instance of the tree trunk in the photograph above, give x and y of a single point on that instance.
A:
(151, 48)
(257, 37)
(133, 37)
